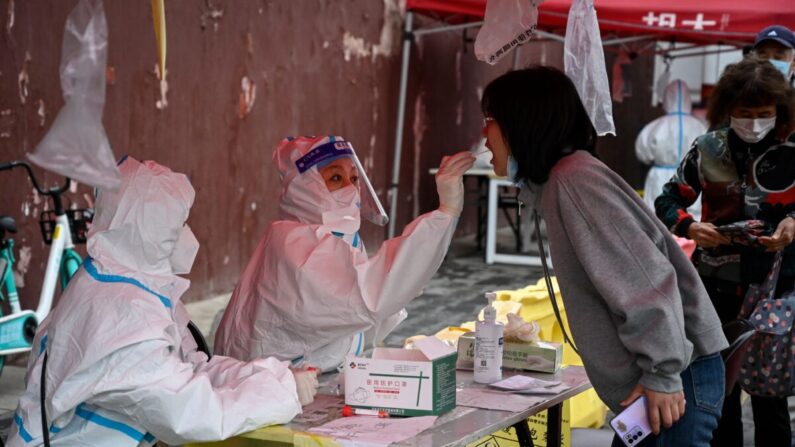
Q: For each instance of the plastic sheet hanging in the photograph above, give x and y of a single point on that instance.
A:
(584, 62)
(663, 81)
(508, 24)
(76, 145)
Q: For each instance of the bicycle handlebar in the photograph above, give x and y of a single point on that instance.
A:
(52, 192)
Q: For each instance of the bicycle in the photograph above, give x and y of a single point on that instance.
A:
(61, 229)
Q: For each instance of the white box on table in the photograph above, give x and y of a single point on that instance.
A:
(404, 382)
(542, 356)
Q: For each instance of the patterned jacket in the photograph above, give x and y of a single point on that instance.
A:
(737, 181)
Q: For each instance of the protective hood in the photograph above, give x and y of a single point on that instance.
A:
(304, 195)
(137, 227)
(676, 97)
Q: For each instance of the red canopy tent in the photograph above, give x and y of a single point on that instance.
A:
(730, 22)
(713, 21)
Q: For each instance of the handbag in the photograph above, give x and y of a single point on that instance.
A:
(721, 263)
(768, 359)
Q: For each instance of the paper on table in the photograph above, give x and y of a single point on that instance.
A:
(322, 409)
(528, 385)
(494, 400)
(549, 390)
(367, 431)
(519, 382)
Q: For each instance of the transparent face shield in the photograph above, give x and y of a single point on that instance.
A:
(371, 208)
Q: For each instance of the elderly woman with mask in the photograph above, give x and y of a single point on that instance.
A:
(742, 171)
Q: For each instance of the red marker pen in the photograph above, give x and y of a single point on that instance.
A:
(350, 411)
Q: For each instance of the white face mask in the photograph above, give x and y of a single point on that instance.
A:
(346, 217)
(783, 66)
(752, 130)
(184, 253)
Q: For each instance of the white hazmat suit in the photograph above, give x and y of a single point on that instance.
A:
(122, 367)
(664, 141)
(309, 292)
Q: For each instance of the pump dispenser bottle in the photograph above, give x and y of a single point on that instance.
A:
(488, 345)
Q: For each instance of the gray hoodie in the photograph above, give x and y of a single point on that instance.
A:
(637, 309)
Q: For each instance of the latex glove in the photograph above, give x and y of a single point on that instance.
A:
(306, 385)
(520, 330)
(450, 182)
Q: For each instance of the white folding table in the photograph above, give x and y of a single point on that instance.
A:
(492, 210)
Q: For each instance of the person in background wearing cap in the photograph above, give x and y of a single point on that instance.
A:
(776, 44)
(310, 293)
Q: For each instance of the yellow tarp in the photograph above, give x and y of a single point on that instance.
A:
(532, 304)
(538, 432)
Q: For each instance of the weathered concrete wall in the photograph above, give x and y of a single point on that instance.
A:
(319, 67)
(316, 67)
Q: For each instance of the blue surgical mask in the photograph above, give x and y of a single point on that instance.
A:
(781, 66)
(513, 170)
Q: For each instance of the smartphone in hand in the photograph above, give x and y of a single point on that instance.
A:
(632, 424)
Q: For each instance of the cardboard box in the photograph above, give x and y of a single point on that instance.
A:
(542, 356)
(404, 382)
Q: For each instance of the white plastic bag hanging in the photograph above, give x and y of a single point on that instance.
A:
(508, 23)
(662, 82)
(76, 145)
(584, 62)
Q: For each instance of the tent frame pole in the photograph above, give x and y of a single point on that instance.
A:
(446, 28)
(691, 53)
(401, 116)
(622, 40)
(548, 35)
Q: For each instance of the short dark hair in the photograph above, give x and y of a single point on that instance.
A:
(752, 82)
(541, 117)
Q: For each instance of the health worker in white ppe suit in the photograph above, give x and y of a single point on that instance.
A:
(664, 141)
(310, 294)
(122, 368)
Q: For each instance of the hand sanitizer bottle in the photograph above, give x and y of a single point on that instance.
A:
(488, 345)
